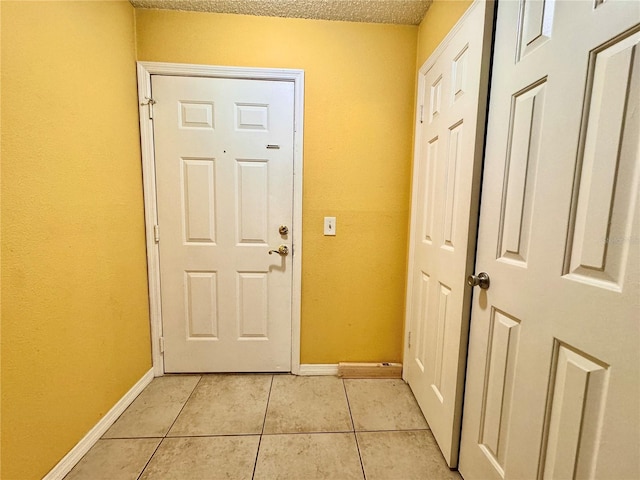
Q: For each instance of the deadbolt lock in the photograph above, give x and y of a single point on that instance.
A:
(284, 230)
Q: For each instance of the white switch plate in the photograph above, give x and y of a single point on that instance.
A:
(329, 225)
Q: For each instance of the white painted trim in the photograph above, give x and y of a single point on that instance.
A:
(150, 218)
(145, 70)
(310, 369)
(70, 460)
(426, 66)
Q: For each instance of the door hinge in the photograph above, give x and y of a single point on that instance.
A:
(156, 233)
(161, 341)
(409, 340)
(149, 103)
(421, 113)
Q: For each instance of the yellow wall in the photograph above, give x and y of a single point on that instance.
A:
(75, 327)
(441, 16)
(359, 96)
(74, 309)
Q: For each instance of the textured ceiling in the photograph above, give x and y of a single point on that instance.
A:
(404, 12)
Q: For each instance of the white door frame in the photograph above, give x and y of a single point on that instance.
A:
(145, 70)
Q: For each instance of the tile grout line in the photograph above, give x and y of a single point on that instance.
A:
(395, 430)
(355, 436)
(149, 461)
(315, 432)
(183, 405)
(264, 421)
(164, 437)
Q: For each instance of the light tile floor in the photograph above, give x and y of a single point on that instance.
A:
(267, 427)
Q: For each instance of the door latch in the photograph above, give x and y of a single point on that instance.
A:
(282, 250)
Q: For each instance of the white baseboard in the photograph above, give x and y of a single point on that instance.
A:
(69, 461)
(307, 369)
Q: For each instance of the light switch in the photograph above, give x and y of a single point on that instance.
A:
(329, 225)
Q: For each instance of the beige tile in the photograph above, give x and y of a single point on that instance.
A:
(383, 404)
(155, 409)
(120, 459)
(225, 405)
(307, 404)
(403, 456)
(204, 458)
(315, 456)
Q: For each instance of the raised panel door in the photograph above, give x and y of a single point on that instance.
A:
(444, 212)
(222, 195)
(553, 379)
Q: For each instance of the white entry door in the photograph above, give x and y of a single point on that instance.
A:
(446, 175)
(224, 173)
(553, 383)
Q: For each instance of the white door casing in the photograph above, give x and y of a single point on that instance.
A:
(205, 181)
(553, 378)
(446, 177)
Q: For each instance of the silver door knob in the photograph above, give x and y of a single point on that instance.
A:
(282, 250)
(481, 280)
